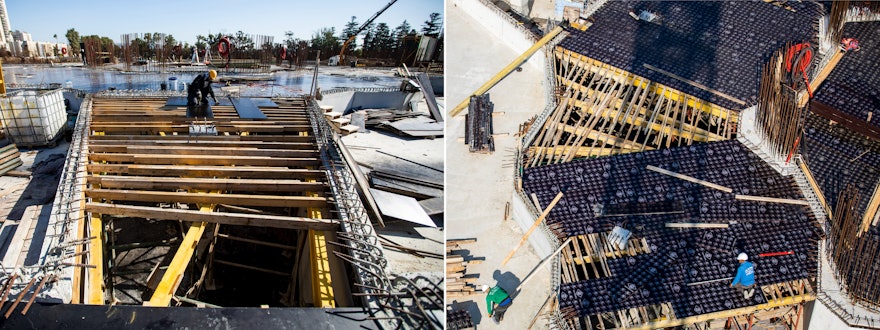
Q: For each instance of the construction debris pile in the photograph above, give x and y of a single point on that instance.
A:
(690, 211)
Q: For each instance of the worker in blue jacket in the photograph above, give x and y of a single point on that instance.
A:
(745, 276)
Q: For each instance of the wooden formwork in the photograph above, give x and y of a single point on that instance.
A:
(142, 163)
(586, 257)
(603, 110)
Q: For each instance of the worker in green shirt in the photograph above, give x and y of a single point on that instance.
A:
(497, 301)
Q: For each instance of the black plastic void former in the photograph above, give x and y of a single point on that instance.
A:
(720, 44)
(678, 257)
(838, 156)
(853, 87)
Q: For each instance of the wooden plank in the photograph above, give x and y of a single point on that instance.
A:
(690, 178)
(171, 279)
(170, 183)
(534, 226)
(696, 225)
(693, 83)
(202, 150)
(189, 197)
(819, 194)
(870, 216)
(772, 200)
(95, 294)
(235, 219)
(238, 265)
(207, 171)
(211, 160)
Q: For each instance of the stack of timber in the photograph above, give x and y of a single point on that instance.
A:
(341, 124)
(10, 157)
(478, 129)
(458, 282)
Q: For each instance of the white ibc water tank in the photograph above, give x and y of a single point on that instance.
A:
(33, 119)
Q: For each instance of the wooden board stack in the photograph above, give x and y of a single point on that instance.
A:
(458, 282)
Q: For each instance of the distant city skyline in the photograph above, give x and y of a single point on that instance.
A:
(186, 19)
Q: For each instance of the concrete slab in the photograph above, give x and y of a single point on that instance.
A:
(479, 186)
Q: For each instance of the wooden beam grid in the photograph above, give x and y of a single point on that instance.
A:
(141, 160)
(601, 105)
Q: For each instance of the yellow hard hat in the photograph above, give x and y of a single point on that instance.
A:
(212, 74)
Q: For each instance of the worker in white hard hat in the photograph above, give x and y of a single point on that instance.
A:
(745, 276)
(497, 301)
(201, 84)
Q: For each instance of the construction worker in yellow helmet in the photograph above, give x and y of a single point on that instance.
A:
(201, 84)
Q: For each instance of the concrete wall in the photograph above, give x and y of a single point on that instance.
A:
(819, 317)
(538, 239)
(500, 27)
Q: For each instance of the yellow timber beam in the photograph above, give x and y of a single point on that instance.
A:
(319, 256)
(95, 286)
(322, 282)
(669, 93)
(171, 279)
(506, 70)
(787, 301)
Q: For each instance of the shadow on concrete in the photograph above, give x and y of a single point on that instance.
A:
(507, 280)
(44, 183)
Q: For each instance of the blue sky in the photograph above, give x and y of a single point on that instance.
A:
(186, 18)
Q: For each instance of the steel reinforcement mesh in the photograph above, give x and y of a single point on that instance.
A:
(720, 44)
(598, 193)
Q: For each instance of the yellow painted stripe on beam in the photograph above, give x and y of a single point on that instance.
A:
(96, 258)
(322, 283)
(319, 255)
(507, 70)
(668, 92)
(171, 279)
